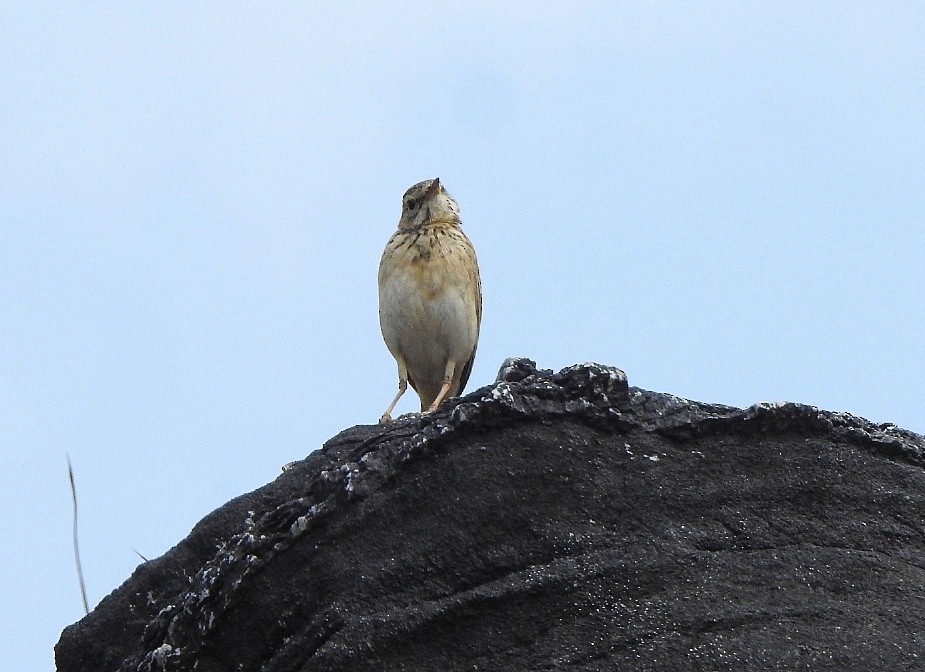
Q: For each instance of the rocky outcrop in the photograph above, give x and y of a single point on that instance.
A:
(549, 522)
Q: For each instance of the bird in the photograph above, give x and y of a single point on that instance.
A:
(430, 298)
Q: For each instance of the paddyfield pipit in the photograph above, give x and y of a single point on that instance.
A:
(430, 297)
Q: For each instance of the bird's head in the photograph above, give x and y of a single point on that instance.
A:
(427, 202)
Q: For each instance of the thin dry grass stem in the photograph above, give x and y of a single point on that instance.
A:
(80, 572)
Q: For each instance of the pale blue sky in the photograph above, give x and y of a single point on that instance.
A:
(726, 200)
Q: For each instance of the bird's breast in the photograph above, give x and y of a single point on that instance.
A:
(428, 262)
(428, 296)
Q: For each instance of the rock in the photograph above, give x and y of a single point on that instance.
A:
(550, 521)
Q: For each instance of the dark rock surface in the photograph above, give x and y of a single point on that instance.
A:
(550, 522)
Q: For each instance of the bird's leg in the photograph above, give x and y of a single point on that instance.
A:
(445, 388)
(387, 416)
(402, 386)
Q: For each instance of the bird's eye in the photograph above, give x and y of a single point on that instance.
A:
(411, 204)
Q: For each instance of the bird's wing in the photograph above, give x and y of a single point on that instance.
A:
(467, 369)
(476, 283)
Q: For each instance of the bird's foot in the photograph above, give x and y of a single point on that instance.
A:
(442, 395)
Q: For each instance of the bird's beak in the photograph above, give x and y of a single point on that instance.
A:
(434, 187)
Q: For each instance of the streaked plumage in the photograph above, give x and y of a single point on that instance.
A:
(430, 298)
